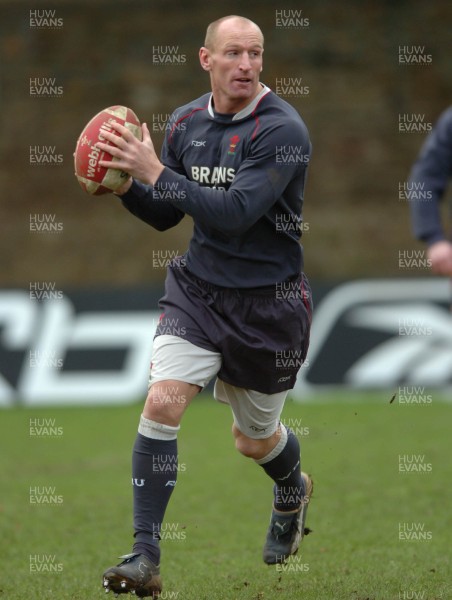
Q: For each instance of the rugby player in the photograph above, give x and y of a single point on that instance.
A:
(235, 160)
(428, 181)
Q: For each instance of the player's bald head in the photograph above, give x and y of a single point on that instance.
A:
(216, 28)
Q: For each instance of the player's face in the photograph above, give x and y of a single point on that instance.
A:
(234, 63)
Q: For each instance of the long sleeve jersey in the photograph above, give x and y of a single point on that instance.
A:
(428, 180)
(241, 178)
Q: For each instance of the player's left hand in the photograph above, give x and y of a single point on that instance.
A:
(440, 256)
(138, 158)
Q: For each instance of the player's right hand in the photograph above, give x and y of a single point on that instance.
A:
(440, 256)
(132, 155)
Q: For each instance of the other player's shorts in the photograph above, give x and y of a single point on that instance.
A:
(261, 334)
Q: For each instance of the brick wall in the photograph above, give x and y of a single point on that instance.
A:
(101, 53)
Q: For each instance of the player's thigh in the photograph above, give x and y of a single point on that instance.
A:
(179, 370)
(256, 415)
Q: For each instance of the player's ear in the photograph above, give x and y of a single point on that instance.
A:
(204, 58)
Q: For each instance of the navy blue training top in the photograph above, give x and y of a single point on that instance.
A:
(428, 180)
(241, 178)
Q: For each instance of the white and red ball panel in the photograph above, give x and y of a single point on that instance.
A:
(93, 178)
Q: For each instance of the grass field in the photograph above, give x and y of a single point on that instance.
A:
(362, 513)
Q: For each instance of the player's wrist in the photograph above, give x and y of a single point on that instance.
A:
(155, 174)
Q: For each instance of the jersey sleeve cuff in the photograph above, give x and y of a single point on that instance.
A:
(167, 176)
(434, 238)
(136, 190)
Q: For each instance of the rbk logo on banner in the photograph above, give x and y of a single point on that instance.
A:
(377, 334)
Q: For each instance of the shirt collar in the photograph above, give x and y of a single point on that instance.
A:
(245, 112)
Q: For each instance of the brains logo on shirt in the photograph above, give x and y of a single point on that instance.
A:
(234, 140)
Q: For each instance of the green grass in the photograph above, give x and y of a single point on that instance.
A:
(222, 503)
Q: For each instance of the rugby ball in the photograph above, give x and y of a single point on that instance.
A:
(93, 178)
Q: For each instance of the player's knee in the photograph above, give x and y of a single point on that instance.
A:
(165, 404)
(253, 448)
(158, 412)
(247, 446)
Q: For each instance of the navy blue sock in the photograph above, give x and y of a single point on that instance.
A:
(283, 466)
(154, 474)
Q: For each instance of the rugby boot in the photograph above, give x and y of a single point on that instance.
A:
(286, 530)
(136, 574)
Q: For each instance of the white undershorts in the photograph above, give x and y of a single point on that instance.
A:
(255, 414)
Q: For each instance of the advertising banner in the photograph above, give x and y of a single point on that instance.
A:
(86, 346)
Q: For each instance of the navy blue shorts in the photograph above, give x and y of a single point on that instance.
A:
(262, 333)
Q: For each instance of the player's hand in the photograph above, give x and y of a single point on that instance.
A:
(139, 159)
(440, 255)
